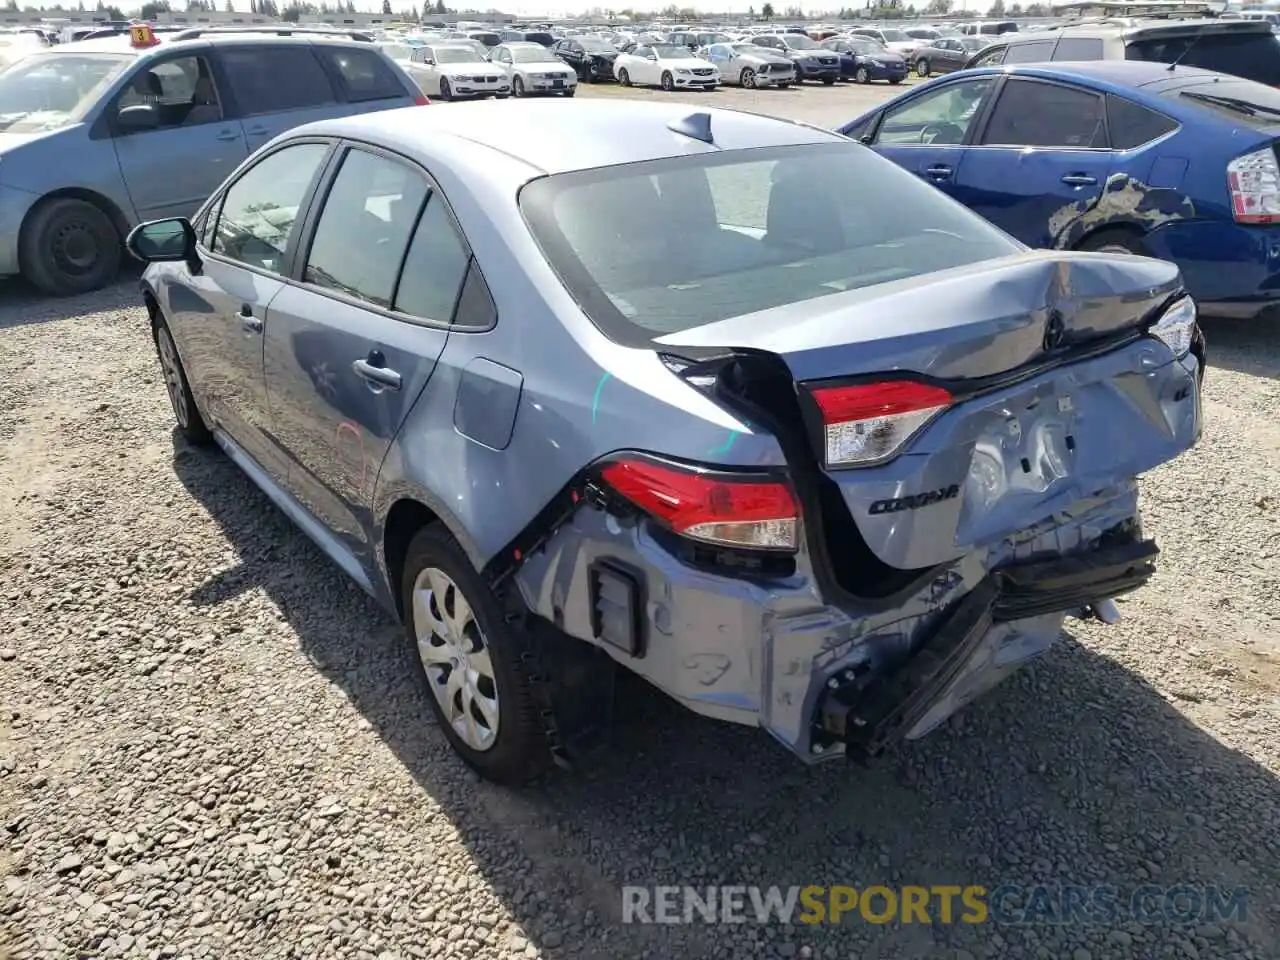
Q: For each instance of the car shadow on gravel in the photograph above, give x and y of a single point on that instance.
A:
(1246, 346)
(24, 305)
(1076, 771)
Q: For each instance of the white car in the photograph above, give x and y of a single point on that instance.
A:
(454, 72)
(532, 68)
(667, 65)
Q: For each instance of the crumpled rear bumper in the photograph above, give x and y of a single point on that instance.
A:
(774, 653)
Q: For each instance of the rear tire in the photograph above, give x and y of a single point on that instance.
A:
(862, 75)
(69, 246)
(455, 624)
(922, 69)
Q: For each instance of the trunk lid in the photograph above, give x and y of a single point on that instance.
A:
(1056, 395)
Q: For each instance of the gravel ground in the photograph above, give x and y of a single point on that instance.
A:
(211, 747)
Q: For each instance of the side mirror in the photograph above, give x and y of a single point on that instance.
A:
(137, 118)
(163, 241)
(429, 61)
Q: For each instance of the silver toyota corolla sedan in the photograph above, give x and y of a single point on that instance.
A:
(731, 402)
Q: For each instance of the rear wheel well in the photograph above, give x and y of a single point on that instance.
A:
(114, 213)
(404, 520)
(1125, 234)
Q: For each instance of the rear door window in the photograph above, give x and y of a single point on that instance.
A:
(1132, 125)
(1031, 114)
(1254, 56)
(1037, 51)
(1078, 48)
(275, 79)
(362, 74)
(364, 229)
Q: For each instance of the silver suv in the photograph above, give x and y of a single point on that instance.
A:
(1245, 48)
(99, 135)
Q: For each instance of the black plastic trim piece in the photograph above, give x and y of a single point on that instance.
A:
(632, 582)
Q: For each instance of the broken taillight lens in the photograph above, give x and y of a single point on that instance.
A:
(868, 423)
(728, 509)
(1254, 183)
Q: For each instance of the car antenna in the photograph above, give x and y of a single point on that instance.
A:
(695, 125)
(1187, 49)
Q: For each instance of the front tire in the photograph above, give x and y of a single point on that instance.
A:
(469, 662)
(517, 87)
(748, 78)
(190, 423)
(69, 246)
(624, 78)
(570, 93)
(446, 92)
(668, 81)
(828, 81)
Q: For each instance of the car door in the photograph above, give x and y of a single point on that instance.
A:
(171, 168)
(1043, 159)
(928, 134)
(354, 341)
(502, 58)
(223, 313)
(276, 87)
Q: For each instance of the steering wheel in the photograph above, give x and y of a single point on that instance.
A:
(941, 133)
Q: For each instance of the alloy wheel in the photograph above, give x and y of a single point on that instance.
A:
(172, 371)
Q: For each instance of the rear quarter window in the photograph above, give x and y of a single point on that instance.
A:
(1078, 48)
(1132, 125)
(1254, 56)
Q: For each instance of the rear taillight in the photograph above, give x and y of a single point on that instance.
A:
(421, 101)
(868, 423)
(1254, 183)
(728, 509)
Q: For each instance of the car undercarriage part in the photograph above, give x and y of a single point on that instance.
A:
(867, 712)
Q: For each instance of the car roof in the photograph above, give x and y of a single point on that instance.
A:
(590, 133)
(1137, 28)
(1119, 73)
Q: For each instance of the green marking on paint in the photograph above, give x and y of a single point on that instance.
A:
(595, 402)
(727, 445)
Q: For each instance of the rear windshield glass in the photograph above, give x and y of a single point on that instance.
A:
(1240, 101)
(653, 248)
(1254, 56)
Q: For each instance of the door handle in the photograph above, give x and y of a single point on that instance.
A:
(377, 376)
(938, 172)
(250, 323)
(226, 136)
(257, 131)
(1079, 180)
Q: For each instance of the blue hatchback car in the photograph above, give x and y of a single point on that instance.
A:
(1171, 162)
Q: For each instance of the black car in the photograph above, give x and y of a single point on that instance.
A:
(591, 57)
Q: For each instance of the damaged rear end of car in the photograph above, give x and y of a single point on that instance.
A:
(957, 454)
